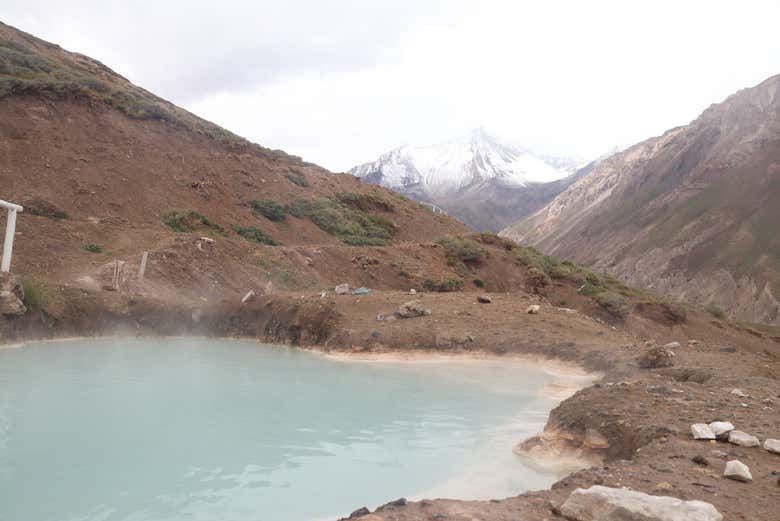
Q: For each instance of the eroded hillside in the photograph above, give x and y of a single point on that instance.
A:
(693, 213)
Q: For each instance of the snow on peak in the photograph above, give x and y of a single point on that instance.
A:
(461, 163)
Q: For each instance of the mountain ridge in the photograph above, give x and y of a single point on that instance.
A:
(477, 178)
(689, 213)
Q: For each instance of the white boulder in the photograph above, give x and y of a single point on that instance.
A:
(720, 429)
(702, 431)
(342, 289)
(737, 471)
(772, 445)
(672, 345)
(533, 309)
(743, 439)
(619, 504)
(738, 392)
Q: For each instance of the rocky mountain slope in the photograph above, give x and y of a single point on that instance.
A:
(478, 179)
(693, 213)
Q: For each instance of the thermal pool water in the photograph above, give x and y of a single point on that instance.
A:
(203, 429)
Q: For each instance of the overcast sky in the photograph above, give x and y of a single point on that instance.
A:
(339, 82)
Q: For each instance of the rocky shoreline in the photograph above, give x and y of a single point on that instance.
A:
(633, 425)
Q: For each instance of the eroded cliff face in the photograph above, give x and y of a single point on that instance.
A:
(693, 213)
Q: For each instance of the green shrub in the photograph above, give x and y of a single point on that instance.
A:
(444, 285)
(35, 294)
(614, 304)
(533, 258)
(716, 312)
(183, 221)
(492, 239)
(479, 283)
(270, 209)
(462, 254)
(365, 202)
(352, 226)
(297, 179)
(254, 234)
(299, 208)
(93, 248)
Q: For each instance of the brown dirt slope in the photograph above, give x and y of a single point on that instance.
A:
(692, 213)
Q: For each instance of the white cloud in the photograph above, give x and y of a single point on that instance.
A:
(339, 84)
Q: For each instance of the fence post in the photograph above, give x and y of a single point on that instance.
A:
(10, 231)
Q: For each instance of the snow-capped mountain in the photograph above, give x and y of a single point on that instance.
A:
(459, 164)
(479, 179)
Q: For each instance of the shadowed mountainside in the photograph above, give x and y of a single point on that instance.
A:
(693, 213)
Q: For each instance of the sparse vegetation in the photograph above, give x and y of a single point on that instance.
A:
(297, 178)
(25, 70)
(444, 285)
(614, 304)
(270, 209)
(184, 221)
(351, 225)
(44, 208)
(93, 248)
(365, 202)
(716, 312)
(478, 283)
(254, 234)
(462, 254)
(35, 294)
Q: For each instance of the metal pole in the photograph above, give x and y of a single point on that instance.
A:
(8, 245)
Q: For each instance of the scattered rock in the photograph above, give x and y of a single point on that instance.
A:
(360, 512)
(594, 439)
(249, 296)
(700, 460)
(656, 357)
(10, 304)
(728, 349)
(362, 291)
(693, 342)
(342, 289)
(413, 291)
(743, 439)
(400, 502)
(663, 487)
(619, 504)
(672, 345)
(13, 284)
(737, 471)
(380, 317)
(412, 309)
(721, 429)
(772, 445)
(484, 299)
(702, 431)
(533, 309)
(738, 392)
(269, 289)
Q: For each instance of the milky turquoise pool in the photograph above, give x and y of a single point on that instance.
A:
(195, 429)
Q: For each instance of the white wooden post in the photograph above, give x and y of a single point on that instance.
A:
(10, 231)
(142, 269)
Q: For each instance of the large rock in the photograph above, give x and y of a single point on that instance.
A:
(656, 357)
(12, 284)
(702, 431)
(10, 304)
(342, 289)
(772, 445)
(737, 471)
(411, 309)
(743, 439)
(721, 429)
(600, 503)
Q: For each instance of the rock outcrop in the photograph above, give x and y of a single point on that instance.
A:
(599, 503)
